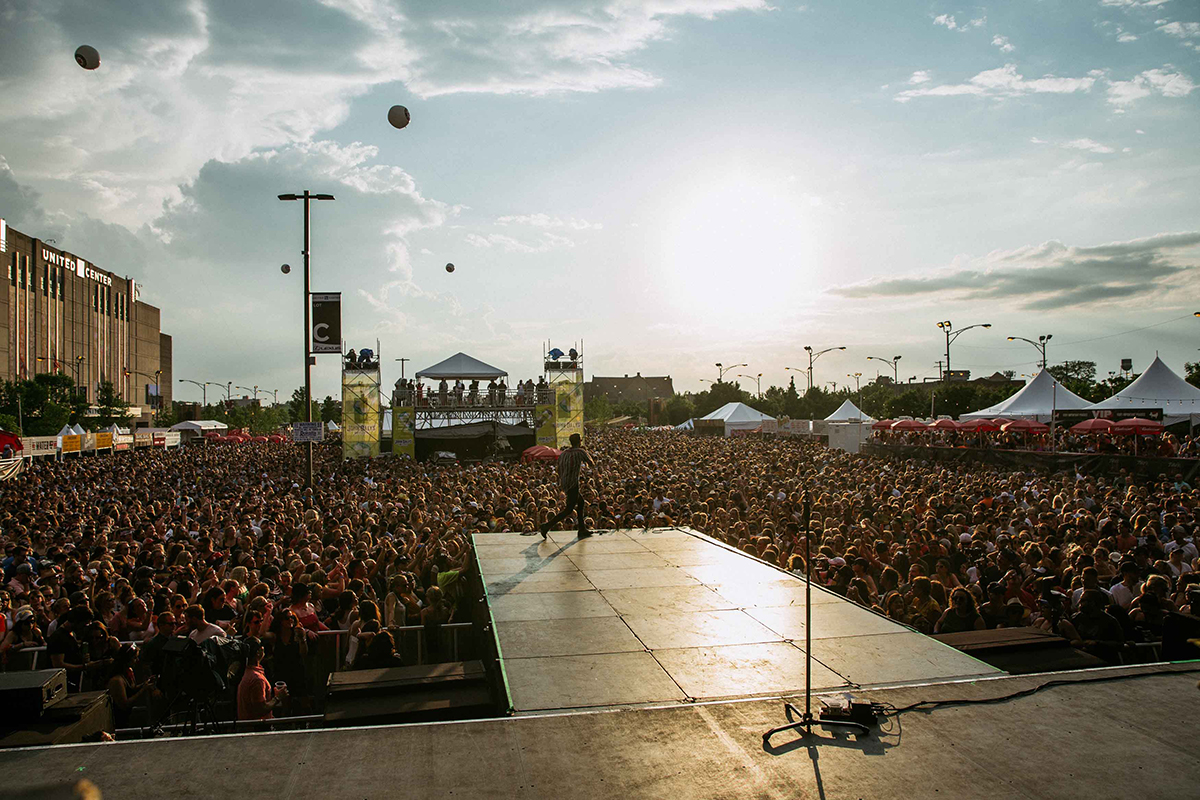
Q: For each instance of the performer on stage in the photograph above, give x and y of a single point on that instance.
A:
(568, 480)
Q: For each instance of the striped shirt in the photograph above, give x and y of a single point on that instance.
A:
(568, 466)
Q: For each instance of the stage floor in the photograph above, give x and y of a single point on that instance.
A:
(669, 615)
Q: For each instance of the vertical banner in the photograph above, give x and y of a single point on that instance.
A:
(568, 406)
(361, 413)
(544, 425)
(327, 323)
(404, 440)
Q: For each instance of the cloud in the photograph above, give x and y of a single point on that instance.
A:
(1126, 37)
(947, 21)
(547, 221)
(1004, 82)
(544, 243)
(920, 76)
(1055, 276)
(1089, 145)
(1151, 81)
(1003, 43)
(1188, 32)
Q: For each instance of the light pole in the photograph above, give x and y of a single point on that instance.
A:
(275, 395)
(203, 389)
(722, 370)
(307, 197)
(157, 394)
(757, 381)
(1040, 344)
(76, 365)
(857, 387)
(892, 362)
(403, 361)
(947, 327)
(813, 356)
(249, 389)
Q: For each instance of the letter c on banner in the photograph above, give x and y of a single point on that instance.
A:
(319, 331)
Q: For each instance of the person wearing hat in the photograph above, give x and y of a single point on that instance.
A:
(24, 633)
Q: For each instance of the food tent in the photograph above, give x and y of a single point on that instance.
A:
(461, 366)
(1157, 387)
(198, 428)
(848, 412)
(1037, 400)
(738, 417)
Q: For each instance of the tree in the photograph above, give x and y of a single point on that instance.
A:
(110, 407)
(679, 409)
(9, 423)
(50, 420)
(1079, 377)
(1191, 372)
(331, 410)
(598, 409)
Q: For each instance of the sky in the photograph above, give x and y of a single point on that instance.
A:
(669, 183)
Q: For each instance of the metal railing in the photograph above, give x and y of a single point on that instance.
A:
(451, 400)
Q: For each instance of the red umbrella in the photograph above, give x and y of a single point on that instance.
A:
(979, 425)
(883, 424)
(908, 425)
(1137, 425)
(539, 452)
(261, 439)
(943, 425)
(1027, 425)
(1094, 425)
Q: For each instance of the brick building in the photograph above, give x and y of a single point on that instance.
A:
(637, 389)
(60, 313)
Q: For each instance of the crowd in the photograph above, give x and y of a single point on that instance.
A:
(1061, 440)
(213, 541)
(443, 394)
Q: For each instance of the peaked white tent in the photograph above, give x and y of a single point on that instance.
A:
(1037, 400)
(1157, 387)
(66, 431)
(848, 412)
(461, 365)
(77, 429)
(738, 417)
(685, 426)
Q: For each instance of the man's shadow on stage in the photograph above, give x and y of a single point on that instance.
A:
(534, 561)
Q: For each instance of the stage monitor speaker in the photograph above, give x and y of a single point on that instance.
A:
(1180, 634)
(25, 696)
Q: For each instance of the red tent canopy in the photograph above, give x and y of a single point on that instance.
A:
(1028, 425)
(979, 425)
(943, 425)
(908, 425)
(1094, 425)
(261, 439)
(883, 424)
(539, 452)
(1137, 425)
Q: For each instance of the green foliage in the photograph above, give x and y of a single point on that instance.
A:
(331, 410)
(50, 420)
(1191, 372)
(597, 409)
(679, 409)
(111, 408)
(9, 423)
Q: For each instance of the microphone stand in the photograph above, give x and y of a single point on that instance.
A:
(807, 721)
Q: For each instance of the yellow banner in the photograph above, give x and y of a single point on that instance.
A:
(361, 417)
(544, 424)
(103, 440)
(71, 444)
(404, 441)
(568, 407)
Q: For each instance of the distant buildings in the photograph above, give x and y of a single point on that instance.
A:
(637, 389)
(60, 313)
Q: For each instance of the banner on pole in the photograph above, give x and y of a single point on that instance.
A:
(327, 323)
(308, 431)
(544, 425)
(404, 440)
(361, 413)
(568, 406)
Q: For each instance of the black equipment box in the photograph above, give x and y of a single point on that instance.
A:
(26, 695)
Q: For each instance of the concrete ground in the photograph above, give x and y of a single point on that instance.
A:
(1127, 738)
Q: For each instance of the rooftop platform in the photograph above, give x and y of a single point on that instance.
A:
(1130, 738)
(636, 617)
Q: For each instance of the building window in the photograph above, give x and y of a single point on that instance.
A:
(12, 270)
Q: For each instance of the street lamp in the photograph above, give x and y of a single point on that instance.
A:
(203, 389)
(1040, 344)
(757, 381)
(857, 387)
(78, 363)
(157, 394)
(722, 370)
(249, 389)
(813, 356)
(402, 363)
(947, 327)
(892, 362)
(307, 197)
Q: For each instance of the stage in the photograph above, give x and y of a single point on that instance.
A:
(1130, 738)
(666, 616)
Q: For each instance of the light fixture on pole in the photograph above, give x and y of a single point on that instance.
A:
(892, 362)
(203, 390)
(722, 370)
(1040, 344)
(857, 387)
(757, 381)
(403, 361)
(813, 356)
(249, 389)
(947, 327)
(307, 197)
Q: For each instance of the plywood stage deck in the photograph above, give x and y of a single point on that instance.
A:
(667, 616)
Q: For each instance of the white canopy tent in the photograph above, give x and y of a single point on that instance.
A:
(1157, 387)
(1037, 400)
(461, 365)
(848, 412)
(738, 417)
(685, 426)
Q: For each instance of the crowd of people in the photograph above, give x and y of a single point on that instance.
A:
(1061, 440)
(443, 394)
(213, 541)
